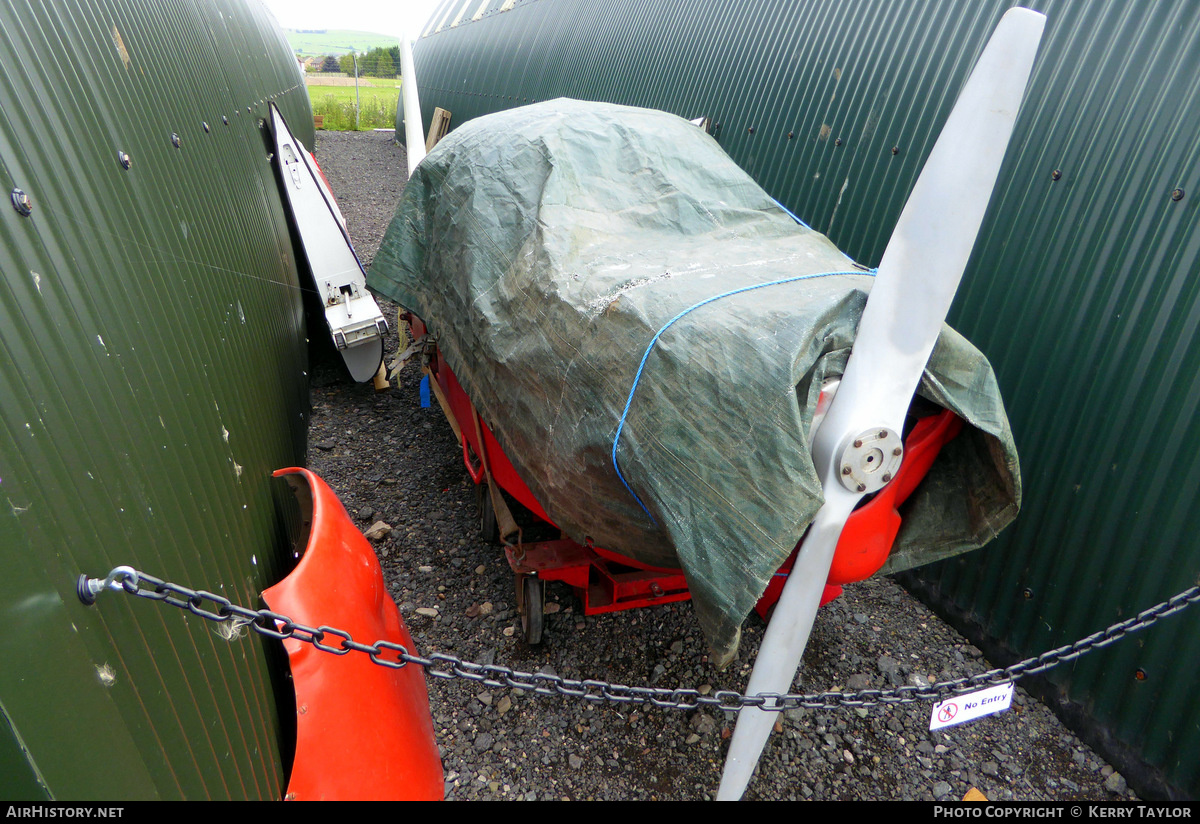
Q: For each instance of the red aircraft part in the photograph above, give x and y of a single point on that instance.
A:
(862, 549)
(504, 473)
(362, 731)
(871, 530)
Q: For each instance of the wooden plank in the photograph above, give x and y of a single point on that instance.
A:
(439, 124)
(381, 381)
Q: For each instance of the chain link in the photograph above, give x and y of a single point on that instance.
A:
(449, 667)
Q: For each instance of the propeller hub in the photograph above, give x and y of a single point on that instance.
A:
(867, 461)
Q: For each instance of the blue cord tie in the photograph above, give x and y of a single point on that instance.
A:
(792, 216)
(654, 340)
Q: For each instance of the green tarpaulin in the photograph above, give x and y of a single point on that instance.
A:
(547, 246)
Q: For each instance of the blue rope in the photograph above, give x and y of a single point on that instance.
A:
(654, 340)
(792, 216)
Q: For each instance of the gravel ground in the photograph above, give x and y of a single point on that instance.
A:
(392, 461)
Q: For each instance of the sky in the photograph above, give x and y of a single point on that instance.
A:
(382, 16)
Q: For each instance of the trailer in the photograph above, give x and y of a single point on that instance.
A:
(603, 579)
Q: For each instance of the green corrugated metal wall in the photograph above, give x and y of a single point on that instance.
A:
(1083, 289)
(152, 377)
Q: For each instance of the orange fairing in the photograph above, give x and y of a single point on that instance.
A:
(362, 731)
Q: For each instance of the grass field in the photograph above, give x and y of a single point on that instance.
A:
(312, 44)
(336, 105)
(325, 79)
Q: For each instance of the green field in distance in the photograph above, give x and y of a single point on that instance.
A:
(336, 41)
(336, 105)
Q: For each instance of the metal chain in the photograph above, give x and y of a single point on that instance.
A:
(440, 665)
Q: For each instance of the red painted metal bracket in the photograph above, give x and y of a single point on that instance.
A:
(603, 583)
(477, 473)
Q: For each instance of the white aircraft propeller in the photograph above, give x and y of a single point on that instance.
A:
(857, 447)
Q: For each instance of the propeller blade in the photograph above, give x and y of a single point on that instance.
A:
(857, 447)
(932, 241)
(414, 129)
(785, 641)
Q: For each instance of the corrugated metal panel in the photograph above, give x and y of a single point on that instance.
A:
(153, 376)
(1082, 290)
(1089, 307)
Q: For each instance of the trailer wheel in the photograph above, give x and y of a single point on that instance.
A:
(531, 600)
(487, 514)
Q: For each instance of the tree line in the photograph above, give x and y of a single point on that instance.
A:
(378, 62)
